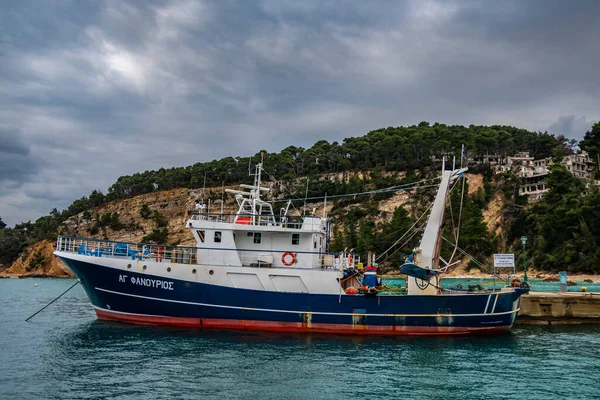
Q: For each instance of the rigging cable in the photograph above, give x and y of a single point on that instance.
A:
(408, 186)
(402, 237)
(463, 252)
(405, 242)
(452, 212)
(462, 196)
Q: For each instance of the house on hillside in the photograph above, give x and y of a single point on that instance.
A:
(534, 173)
(581, 165)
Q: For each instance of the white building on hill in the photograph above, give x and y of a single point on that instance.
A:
(534, 173)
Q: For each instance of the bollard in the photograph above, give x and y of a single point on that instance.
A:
(562, 278)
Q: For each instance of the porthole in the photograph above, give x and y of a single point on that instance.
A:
(193, 271)
(128, 265)
(211, 272)
(144, 267)
(168, 269)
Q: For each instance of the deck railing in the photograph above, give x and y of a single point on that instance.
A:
(205, 256)
(286, 221)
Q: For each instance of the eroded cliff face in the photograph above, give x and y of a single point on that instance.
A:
(38, 261)
(175, 206)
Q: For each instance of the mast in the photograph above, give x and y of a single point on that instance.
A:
(427, 255)
(252, 209)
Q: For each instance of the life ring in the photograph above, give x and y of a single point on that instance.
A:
(350, 259)
(284, 258)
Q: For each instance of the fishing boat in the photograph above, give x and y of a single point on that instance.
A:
(261, 270)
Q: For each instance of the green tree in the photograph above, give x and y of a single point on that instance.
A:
(366, 237)
(560, 228)
(145, 212)
(12, 243)
(159, 219)
(158, 236)
(591, 143)
(115, 224)
(36, 261)
(104, 219)
(96, 199)
(387, 239)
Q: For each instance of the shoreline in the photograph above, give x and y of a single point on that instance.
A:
(25, 276)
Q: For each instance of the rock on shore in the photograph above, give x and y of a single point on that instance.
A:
(38, 261)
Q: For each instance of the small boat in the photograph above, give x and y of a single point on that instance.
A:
(258, 270)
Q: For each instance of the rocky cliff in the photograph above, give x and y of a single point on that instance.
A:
(38, 261)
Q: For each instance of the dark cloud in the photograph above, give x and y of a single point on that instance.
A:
(91, 90)
(16, 162)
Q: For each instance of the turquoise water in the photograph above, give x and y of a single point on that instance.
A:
(65, 353)
(537, 285)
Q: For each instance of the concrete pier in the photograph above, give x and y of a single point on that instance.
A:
(559, 308)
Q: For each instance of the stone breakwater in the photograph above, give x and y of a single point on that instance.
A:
(546, 308)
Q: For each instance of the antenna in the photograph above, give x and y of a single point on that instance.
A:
(222, 196)
(306, 195)
(203, 186)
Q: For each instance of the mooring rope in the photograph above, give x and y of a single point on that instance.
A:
(61, 295)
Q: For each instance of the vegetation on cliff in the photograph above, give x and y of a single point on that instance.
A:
(563, 227)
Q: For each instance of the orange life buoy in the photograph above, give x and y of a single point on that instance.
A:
(350, 259)
(284, 258)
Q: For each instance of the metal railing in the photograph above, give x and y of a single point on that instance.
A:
(206, 256)
(286, 221)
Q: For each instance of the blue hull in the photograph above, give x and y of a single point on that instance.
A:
(142, 298)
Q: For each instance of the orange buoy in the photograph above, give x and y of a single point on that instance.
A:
(288, 258)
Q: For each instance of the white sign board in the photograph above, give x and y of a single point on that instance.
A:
(504, 260)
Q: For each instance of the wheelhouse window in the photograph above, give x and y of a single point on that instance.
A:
(201, 235)
(217, 237)
(250, 234)
(257, 237)
(295, 238)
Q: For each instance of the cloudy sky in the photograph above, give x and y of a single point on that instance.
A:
(92, 90)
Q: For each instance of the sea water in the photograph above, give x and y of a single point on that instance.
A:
(66, 353)
(537, 285)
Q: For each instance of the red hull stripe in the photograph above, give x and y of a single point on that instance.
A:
(273, 326)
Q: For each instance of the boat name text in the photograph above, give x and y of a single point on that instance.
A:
(155, 283)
